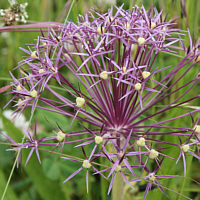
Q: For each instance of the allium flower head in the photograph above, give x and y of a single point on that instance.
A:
(112, 56)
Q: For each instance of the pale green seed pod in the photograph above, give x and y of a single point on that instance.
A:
(141, 40)
(80, 101)
(86, 164)
(33, 93)
(138, 86)
(103, 75)
(60, 136)
(153, 154)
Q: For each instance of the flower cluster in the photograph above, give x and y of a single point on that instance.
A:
(120, 91)
(16, 12)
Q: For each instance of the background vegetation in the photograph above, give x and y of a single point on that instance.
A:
(45, 181)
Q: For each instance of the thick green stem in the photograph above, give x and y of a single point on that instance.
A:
(118, 187)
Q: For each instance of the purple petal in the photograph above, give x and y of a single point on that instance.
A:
(72, 175)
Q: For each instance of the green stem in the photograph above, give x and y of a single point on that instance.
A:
(69, 12)
(118, 187)
(10, 176)
(103, 182)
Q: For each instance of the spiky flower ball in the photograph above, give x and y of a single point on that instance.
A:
(121, 93)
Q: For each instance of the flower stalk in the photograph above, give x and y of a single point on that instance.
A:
(118, 187)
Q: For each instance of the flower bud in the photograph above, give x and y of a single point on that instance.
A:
(110, 19)
(124, 69)
(121, 154)
(19, 102)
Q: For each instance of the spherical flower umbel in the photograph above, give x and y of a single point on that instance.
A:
(120, 94)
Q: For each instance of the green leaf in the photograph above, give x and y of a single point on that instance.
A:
(52, 117)
(51, 169)
(10, 195)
